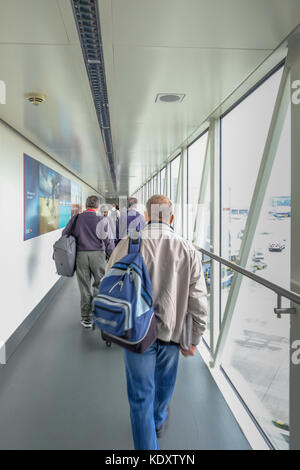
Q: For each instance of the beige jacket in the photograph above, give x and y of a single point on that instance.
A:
(178, 283)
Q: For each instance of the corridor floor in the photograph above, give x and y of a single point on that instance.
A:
(63, 389)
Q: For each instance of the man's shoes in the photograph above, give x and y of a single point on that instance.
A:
(86, 324)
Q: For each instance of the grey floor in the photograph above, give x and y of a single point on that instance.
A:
(63, 389)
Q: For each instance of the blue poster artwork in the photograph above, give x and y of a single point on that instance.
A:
(64, 201)
(31, 198)
(50, 199)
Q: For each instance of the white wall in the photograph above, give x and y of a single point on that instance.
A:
(27, 271)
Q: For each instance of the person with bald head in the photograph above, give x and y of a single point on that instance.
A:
(179, 289)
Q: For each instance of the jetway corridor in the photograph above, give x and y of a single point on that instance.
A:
(112, 110)
(64, 390)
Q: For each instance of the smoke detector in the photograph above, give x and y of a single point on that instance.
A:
(169, 97)
(36, 98)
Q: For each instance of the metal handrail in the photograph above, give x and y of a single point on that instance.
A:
(280, 291)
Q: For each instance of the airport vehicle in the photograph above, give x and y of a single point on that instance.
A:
(258, 265)
(276, 246)
(258, 256)
(282, 215)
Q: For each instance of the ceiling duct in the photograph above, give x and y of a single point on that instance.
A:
(88, 25)
(169, 97)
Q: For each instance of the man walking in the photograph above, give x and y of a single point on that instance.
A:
(130, 219)
(114, 219)
(178, 288)
(92, 250)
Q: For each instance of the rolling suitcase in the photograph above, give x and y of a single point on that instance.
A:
(107, 341)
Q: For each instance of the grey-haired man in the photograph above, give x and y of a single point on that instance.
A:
(179, 289)
(94, 243)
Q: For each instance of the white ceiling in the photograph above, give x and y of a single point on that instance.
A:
(203, 48)
(40, 51)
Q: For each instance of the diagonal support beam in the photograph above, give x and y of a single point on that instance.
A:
(203, 187)
(214, 159)
(179, 195)
(211, 172)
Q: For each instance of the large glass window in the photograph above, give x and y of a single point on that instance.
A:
(163, 181)
(174, 173)
(155, 184)
(270, 252)
(180, 197)
(201, 238)
(183, 197)
(256, 355)
(196, 154)
(140, 200)
(243, 138)
(159, 183)
(168, 180)
(200, 210)
(144, 194)
(149, 189)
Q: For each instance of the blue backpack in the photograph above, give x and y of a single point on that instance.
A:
(123, 309)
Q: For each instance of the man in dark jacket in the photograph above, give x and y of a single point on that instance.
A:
(130, 220)
(94, 244)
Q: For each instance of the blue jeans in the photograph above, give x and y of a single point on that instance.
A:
(151, 378)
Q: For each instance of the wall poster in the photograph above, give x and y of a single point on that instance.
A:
(50, 199)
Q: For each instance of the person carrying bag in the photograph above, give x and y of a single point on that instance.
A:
(64, 252)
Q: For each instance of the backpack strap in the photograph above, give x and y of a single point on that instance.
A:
(134, 244)
(72, 228)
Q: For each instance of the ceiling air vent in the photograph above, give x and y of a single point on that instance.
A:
(169, 97)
